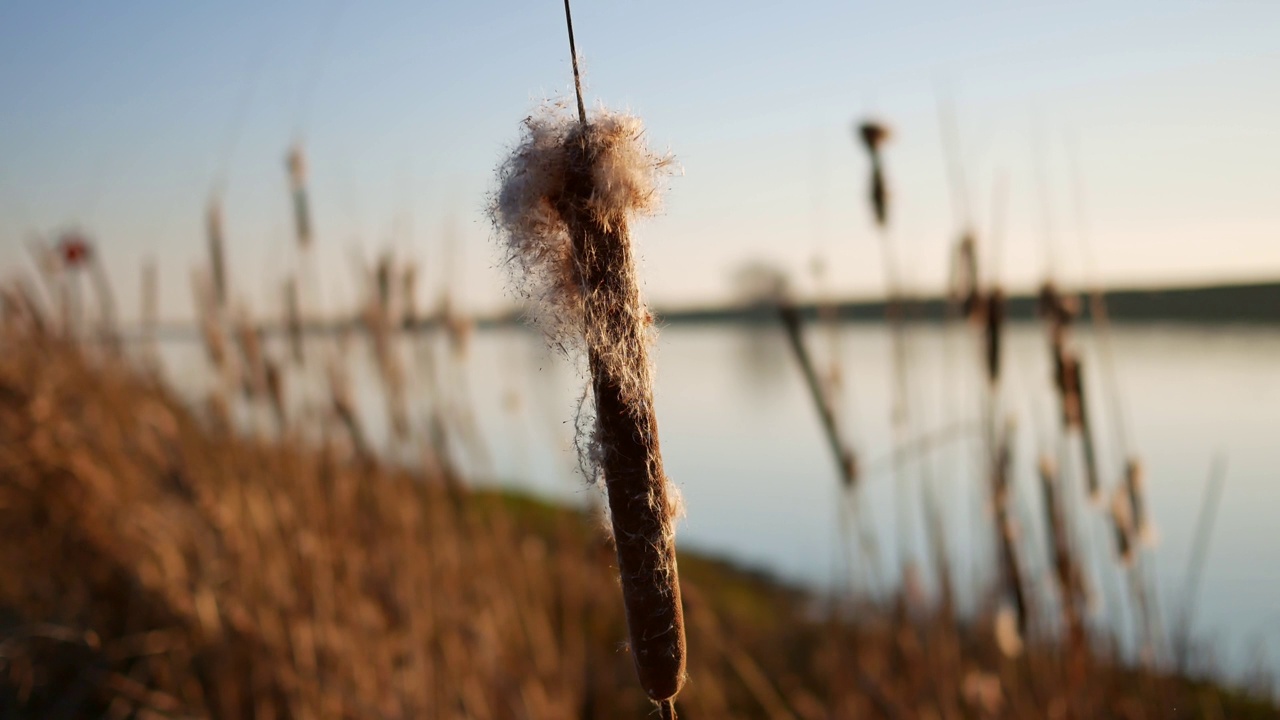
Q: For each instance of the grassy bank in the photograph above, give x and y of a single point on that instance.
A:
(156, 565)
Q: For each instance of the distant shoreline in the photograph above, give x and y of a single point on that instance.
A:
(1250, 303)
(1235, 303)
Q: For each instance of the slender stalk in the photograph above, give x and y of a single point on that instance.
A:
(873, 136)
(1011, 568)
(296, 164)
(577, 76)
(150, 304)
(1199, 553)
(217, 252)
(846, 460)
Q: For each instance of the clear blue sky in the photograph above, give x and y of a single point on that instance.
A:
(121, 116)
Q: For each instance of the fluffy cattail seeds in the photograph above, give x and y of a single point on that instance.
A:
(566, 195)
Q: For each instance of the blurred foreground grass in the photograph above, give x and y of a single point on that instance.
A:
(155, 565)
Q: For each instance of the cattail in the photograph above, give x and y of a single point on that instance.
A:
(377, 321)
(1058, 311)
(566, 195)
(105, 297)
(274, 377)
(217, 259)
(846, 460)
(409, 291)
(964, 276)
(993, 327)
(382, 281)
(1136, 488)
(211, 332)
(149, 314)
(78, 254)
(1006, 530)
(1086, 431)
(1122, 525)
(874, 135)
(296, 163)
(293, 320)
(1065, 571)
(344, 405)
(250, 344)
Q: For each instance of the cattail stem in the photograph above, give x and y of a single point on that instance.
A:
(105, 299)
(1000, 490)
(993, 327)
(150, 305)
(873, 136)
(1199, 551)
(296, 164)
(1134, 486)
(217, 257)
(293, 320)
(630, 459)
(1066, 572)
(577, 76)
(1086, 433)
(846, 461)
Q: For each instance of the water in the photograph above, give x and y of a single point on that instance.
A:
(742, 441)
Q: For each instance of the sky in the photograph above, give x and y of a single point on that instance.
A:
(1131, 143)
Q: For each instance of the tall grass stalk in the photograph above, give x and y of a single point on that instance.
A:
(844, 456)
(293, 321)
(873, 136)
(217, 251)
(296, 165)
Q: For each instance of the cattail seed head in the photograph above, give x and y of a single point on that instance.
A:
(873, 135)
(526, 211)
